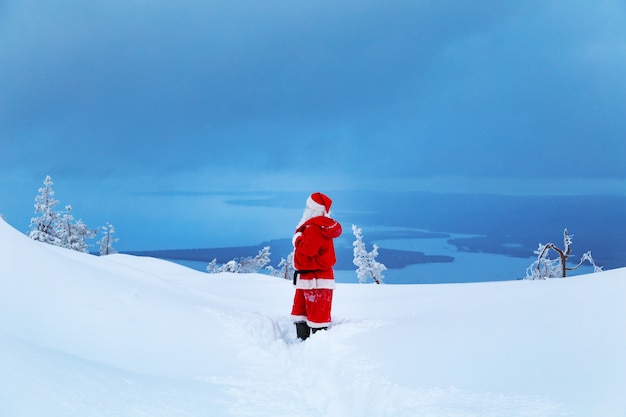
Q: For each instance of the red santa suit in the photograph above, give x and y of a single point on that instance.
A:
(314, 257)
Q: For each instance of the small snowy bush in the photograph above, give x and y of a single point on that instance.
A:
(544, 267)
(245, 265)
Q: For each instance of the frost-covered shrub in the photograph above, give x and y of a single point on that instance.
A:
(231, 266)
(544, 267)
(212, 267)
(245, 265)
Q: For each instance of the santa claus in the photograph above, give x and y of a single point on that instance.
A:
(313, 260)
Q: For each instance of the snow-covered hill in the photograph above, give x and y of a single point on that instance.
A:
(129, 336)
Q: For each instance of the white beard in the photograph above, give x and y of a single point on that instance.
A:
(309, 213)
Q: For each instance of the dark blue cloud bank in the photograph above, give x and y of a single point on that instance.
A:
(407, 89)
(138, 109)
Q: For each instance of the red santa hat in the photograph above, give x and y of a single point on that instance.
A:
(319, 202)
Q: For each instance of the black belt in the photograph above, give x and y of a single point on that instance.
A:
(296, 273)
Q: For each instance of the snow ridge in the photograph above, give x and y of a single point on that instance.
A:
(119, 336)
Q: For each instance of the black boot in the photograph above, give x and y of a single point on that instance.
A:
(303, 330)
(314, 330)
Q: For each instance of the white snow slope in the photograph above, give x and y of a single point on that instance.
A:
(119, 336)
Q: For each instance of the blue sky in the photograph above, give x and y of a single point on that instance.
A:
(115, 99)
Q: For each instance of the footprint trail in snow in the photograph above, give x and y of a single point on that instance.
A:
(328, 376)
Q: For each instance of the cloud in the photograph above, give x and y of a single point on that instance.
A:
(379, 89)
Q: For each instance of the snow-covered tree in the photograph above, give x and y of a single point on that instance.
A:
(544, 267)
(107, 240)
(58, 228)
(43, 227)
(366, 263)
(82, 234)
(285, 268)
(65, 231)
(255, 264)
(73, 234)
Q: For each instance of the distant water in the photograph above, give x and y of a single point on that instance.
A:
(466, 267)
(435, 238)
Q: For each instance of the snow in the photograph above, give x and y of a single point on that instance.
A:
(120, 335)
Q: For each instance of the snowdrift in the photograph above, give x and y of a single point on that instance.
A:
(120, 335)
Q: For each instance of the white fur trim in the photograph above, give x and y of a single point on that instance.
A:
(315, 283)
(298, 318)
(313, 325)
(295, 237)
